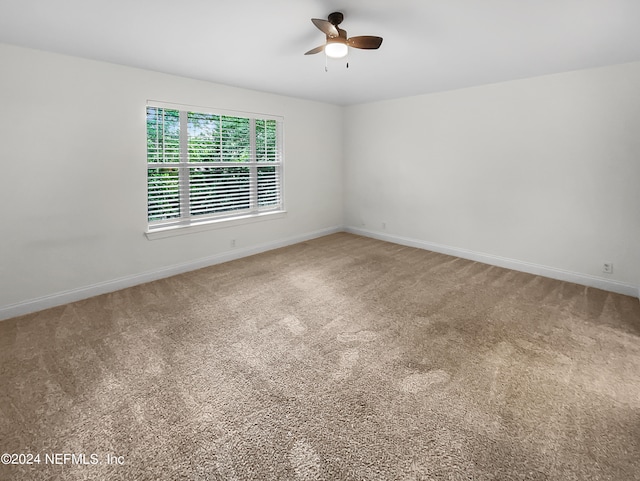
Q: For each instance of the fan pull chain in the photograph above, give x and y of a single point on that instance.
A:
(326, 65)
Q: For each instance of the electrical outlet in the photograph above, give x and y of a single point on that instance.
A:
(607, 268)
(233, 242)
(384, 225)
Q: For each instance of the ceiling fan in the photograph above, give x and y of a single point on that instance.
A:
(337, 44)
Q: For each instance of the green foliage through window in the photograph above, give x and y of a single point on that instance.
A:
(203, 165)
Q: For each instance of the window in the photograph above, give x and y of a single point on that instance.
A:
(207, 166)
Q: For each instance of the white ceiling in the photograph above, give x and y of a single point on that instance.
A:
(429, 45)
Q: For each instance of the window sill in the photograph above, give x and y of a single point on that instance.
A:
(175, 230)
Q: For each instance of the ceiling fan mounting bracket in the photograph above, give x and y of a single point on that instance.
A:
(335, 18)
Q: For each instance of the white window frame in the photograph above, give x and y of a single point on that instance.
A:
(187, 223)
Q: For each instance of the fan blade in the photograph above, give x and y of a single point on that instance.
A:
(326, 27)
(315, 50)
(365, 41)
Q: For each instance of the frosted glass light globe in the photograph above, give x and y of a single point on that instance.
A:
(336, 50)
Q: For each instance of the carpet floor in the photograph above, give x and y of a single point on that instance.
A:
(340, 358)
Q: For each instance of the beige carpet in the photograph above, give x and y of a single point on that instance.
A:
(342, 358)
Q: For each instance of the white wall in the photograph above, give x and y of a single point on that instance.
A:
(73, 160)
(541, 174)
(537, 172)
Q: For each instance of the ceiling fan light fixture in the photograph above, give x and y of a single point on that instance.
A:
(336, 49)
(337, 42)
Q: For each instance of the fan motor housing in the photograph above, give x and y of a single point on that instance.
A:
(342, 36)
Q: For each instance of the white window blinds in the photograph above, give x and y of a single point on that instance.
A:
(204, 165)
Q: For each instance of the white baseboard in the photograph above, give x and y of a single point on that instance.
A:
(516, 265)
(64, 297)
